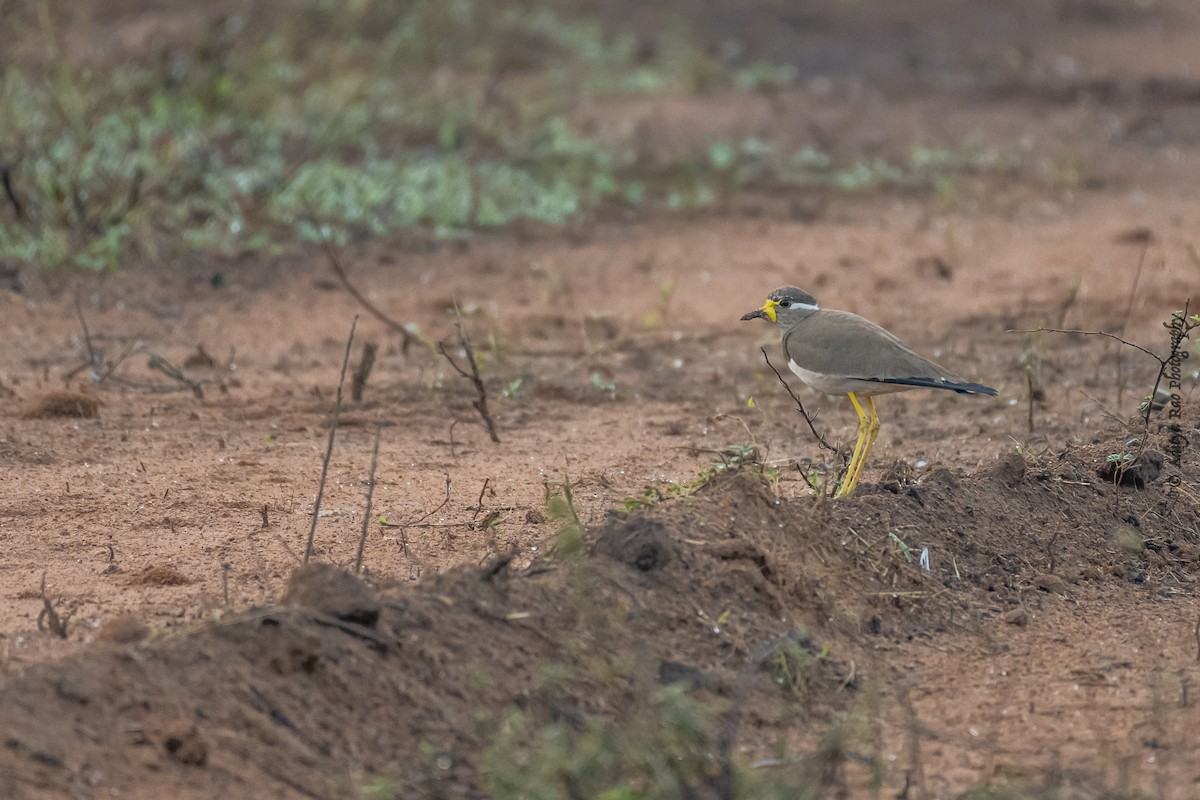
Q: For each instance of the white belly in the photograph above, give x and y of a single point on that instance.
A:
(833, 384)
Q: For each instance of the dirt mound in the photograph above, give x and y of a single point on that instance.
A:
(159, 575)
(65, 404)
(348, 681)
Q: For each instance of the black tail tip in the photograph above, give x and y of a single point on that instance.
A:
(975, 388)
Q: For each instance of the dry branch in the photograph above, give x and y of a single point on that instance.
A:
(799, 406)
(362, 541)
(10, 193)
(358, 381)
(335, 265)
(480, 402)
(337, 409)
(49, 619)
(420, 522)
(160, 364)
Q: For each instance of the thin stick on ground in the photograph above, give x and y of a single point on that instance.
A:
(799, 406)
(481, 400)
(479, 502)
(1137, 277)
(49, 619)
(10, 192)
(427, 515)
(362, 541)
(93, 360)
(1087, 333)
(160, 364)
(335, 265)
(1181, 327)
(362, 371)
(337, 409)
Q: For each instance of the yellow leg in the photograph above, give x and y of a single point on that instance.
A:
(868, 430)
(864, 433)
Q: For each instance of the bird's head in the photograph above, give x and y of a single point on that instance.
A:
(785, 306)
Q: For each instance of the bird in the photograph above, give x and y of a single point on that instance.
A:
(838, 352)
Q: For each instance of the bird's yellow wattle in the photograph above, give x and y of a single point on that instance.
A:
(769, 309)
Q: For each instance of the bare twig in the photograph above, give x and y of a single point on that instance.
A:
(1032, 395)
(1065, 307)
(337, 409)
(498, 564)
(1181, 327)
(799, 406)
(479, 502)
(480, 401)
(362, 541)
(102, 370)
(93, 358)
(1137, 277)
(1088, 333)
(48, 619)
(358, 381)
(335, 265)
(131, 197)
(426, 516)
(287, 547)
(1178, 335)
(9, 192)
(160, 364)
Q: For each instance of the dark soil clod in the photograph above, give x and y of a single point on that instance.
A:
(1011, 470)
(640, 542)
(71, 405)
(159, 575)
(184, 744)
(333, 591)
(1139, 474)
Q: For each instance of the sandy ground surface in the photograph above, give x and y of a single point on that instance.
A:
(1058, 659)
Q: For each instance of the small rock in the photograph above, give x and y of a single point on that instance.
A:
(1011, 470)
(184, 744)
(333, 591)
(1016, 616)
(1050, 583)
(642, 543)
(123, 629)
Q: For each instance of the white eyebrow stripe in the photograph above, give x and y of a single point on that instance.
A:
(807, 306)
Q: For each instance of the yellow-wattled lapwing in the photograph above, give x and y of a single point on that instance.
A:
(837, 352)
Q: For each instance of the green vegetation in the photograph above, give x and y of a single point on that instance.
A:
(654, 749)
(338, 121)
(733, 458)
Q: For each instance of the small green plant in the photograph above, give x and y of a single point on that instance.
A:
(733, 457)
(653, 749)
(560, 503)
(514, 388)
(602, 384)
(796, 666)
(905, 550)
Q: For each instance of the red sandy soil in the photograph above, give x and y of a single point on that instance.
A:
(1053, 644)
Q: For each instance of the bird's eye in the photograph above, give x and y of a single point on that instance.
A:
(785, 303)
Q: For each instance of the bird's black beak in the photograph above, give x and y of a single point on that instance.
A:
(757, 313)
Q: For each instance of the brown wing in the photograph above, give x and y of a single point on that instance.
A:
(845, 344)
